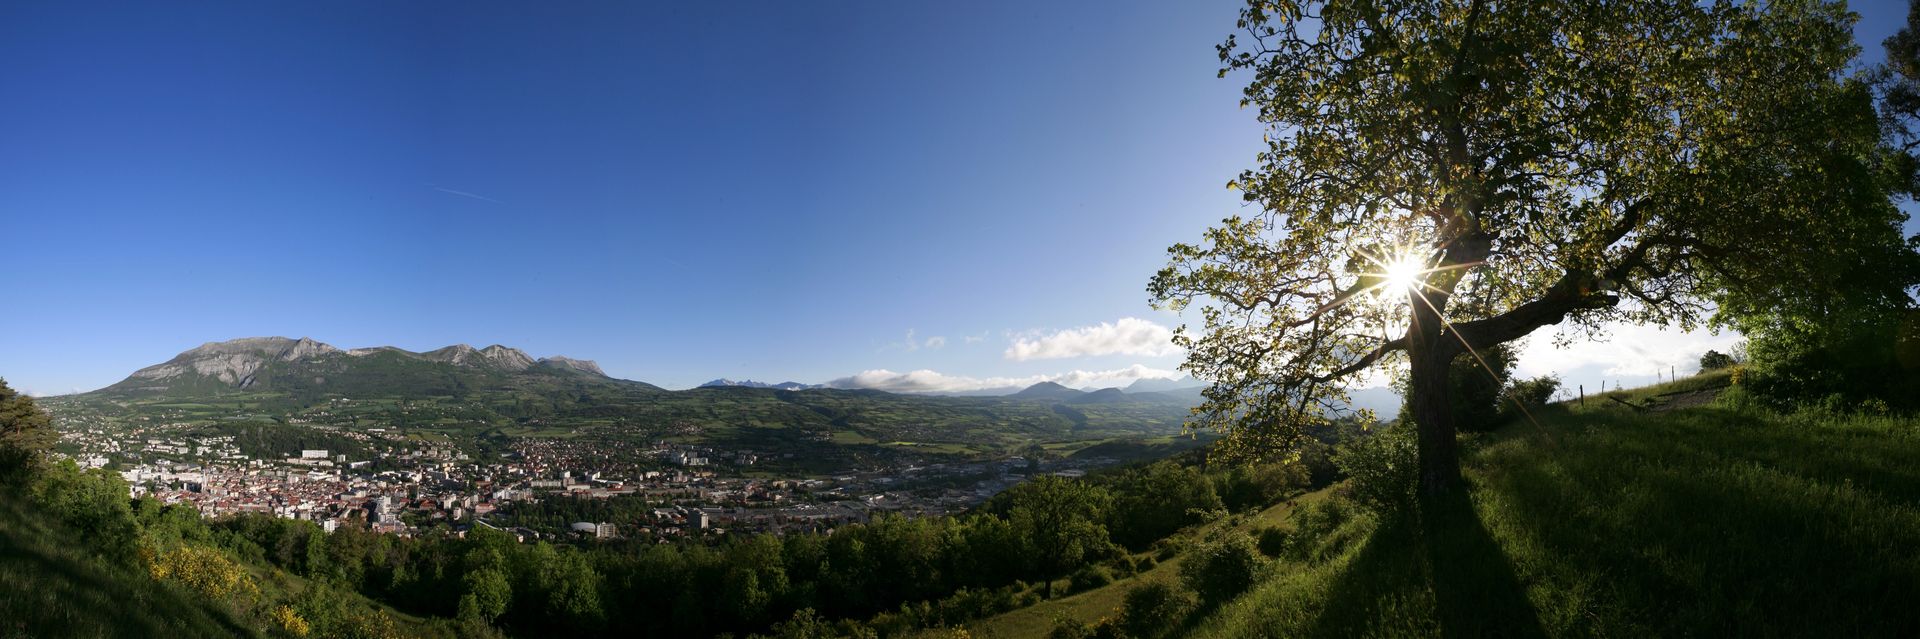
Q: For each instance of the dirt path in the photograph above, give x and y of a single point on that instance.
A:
(1685, 399)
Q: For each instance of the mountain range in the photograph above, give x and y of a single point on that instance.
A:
(748, 383)
(305, 366)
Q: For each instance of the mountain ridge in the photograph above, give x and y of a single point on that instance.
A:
(250, 363)
(748, 383)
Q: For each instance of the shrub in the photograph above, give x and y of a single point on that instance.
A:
(1152, 610)
(289, 623)
(1313, 539)
(1527, 393)
(1089, 578)
(1273, 541)
(1066, 628)
(205, 571)
(1249, 487)
(1857, 358)
(1715, 360)
(95, 503)
(1221, 569)
(1382, 470)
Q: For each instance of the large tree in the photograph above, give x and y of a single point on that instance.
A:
(1441, 176)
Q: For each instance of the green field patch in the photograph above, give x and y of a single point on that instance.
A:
(849, 437)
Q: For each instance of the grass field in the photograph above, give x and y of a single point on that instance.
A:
(1607, 521)
(51, 587)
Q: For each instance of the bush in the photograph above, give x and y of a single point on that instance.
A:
(1273, 541)
(1089, 578)
(1715, 360)
(1382, 470)
(1250, 487)
(1860, 359)
(1154, 609)
(206, 572)
(95, 503)
(1527, 393)
(1070, 629)
(1067, 628)
(1221, 569)
(1313, 539)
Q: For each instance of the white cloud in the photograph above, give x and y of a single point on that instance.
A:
(935, 342)
(1627, 350)
(1129, 336)
(927, 381)
(975, 339)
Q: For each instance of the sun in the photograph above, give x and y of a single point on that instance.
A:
(1402, 273)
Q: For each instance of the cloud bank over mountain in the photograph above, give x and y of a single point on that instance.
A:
(929, 381)
(1129, 336)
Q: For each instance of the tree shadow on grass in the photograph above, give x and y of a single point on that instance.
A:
(1437, 573)
(1475, 589)
(1706, 522)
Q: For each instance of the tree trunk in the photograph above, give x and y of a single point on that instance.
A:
(1430, 356)
(1433, 416)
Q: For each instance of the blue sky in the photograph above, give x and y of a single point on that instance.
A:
(681, 191)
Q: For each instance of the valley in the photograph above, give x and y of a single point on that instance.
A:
(401, 441)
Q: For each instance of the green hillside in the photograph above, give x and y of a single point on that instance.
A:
(57, 588)
(78, 560)
(1605, 520)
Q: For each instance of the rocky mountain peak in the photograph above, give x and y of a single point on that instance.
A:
(457, 355)
(508, 358)
(306, 347)
(234, 362)
(583, 365)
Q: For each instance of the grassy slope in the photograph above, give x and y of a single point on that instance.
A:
(1602, 521)
(1090, 605)
(50, 587)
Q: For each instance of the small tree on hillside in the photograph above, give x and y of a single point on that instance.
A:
(25, 432)
(1060, 519)
(1441, 176)
(1715, 360)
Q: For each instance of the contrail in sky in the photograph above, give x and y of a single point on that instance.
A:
(466, 194)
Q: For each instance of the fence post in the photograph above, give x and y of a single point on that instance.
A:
(1583, 394)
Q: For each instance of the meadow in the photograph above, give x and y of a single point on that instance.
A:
(1639, 526)
(1723, 519)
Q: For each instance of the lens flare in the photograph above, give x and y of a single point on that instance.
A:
(1402, 273)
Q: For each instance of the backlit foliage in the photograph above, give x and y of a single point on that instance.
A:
(1664, 162)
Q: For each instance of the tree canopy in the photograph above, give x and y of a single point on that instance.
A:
(1441, 176)
(25, 434)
